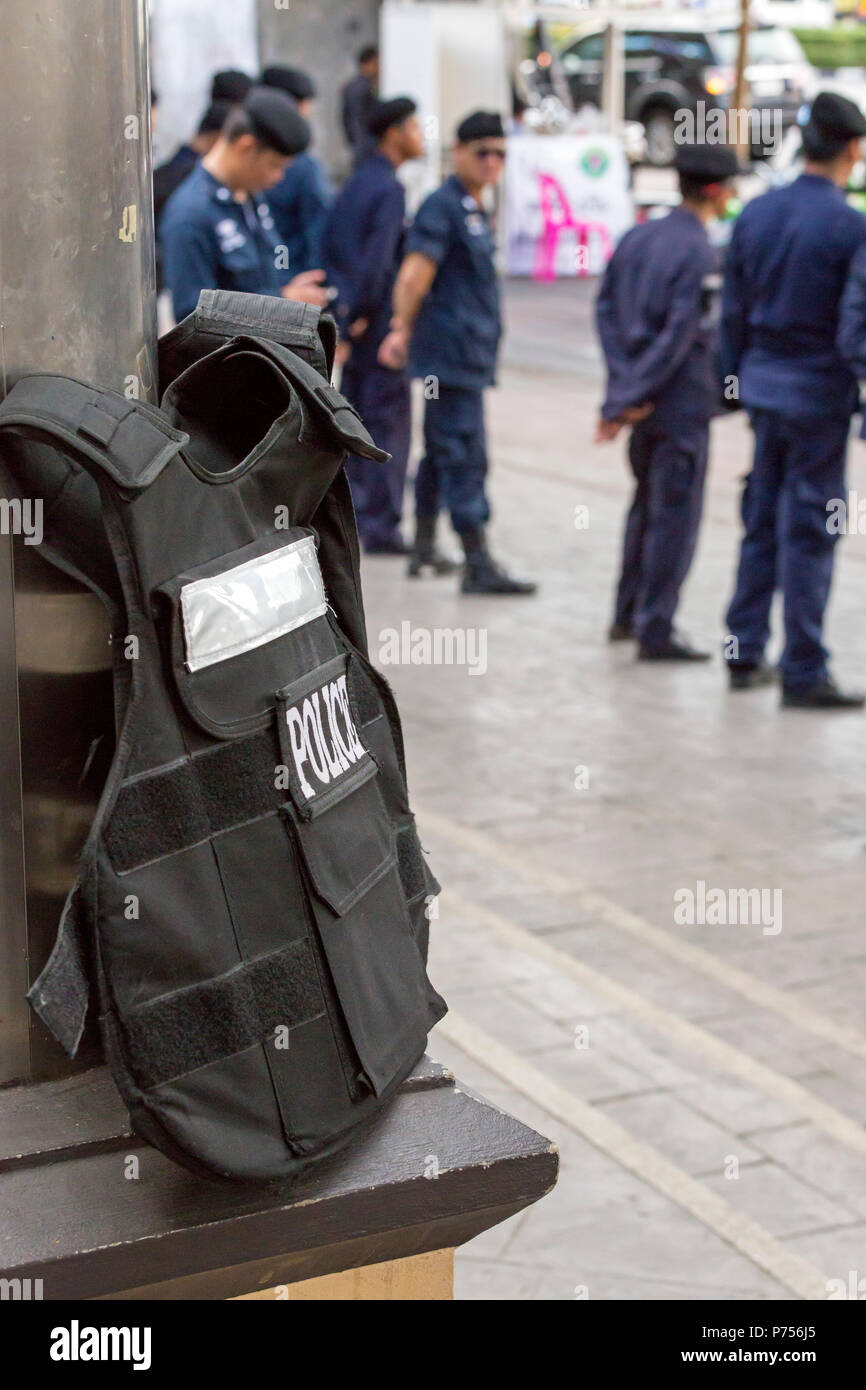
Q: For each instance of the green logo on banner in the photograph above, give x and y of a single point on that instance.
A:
(594, 163)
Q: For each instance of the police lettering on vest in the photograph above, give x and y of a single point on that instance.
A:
(322, 740)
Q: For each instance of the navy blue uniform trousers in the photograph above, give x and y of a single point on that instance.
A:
(799, 466)
(661, 528)
(383, 400)
(453, 470)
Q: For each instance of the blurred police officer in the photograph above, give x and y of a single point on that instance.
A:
(171, 174)
(299, 202)
(657, 316)
(216, 232)
(230, 85)
(358, 97)
(447, 315)
(789, 258)
(363, 244)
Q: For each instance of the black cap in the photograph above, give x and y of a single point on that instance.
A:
(214, 117)
(230, 85)
(384, 114)
(299, 85)
(276, 121)
(481, 125)
(706, 163)
(832, 122)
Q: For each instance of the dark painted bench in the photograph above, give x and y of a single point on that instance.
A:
(440, 1166)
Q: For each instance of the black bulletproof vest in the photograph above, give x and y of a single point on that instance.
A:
(251, 907)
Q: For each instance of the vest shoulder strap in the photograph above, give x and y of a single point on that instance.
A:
(222, 314)
(324, 400)
(260, 315)
(127, 440)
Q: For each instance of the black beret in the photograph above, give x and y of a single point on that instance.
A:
(230, 85)
(836, 117)
(384, 114)
(276, 121)
(214, 117)
(706, 163)
(292, 80)
(481, 125)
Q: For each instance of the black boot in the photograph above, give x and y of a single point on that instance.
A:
(824, 695)
(481, 573)
(425, 553)
(748, 675)
(676, 648)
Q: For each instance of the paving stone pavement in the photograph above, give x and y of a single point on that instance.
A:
(682, 782)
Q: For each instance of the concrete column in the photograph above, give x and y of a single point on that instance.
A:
(77, 282)
(324, 39)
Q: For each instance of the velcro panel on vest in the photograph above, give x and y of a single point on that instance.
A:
(60, 995)
(364, 694)
(410, 861)
(204, 1023)
(174, 808)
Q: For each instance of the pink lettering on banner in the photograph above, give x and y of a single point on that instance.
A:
(557, 218)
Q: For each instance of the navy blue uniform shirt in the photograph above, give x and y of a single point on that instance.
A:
(299, 205)
(657, 316)
(170, 175)
(362, 245)
(457, 332)
(787, 266)
(210, 241)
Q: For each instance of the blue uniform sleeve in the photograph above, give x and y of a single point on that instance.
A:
(637, 378)
(189, 262)
(610, 334)
(735, 300)
(851, 338)
(376, 268)
(432, 232)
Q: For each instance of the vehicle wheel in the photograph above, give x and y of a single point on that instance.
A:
(660, 143)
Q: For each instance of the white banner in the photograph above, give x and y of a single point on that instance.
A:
(567, 203)
(190, 41)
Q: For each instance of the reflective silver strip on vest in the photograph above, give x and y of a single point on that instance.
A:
(251, 604)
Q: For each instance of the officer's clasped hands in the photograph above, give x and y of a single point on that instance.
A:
(606, 430)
